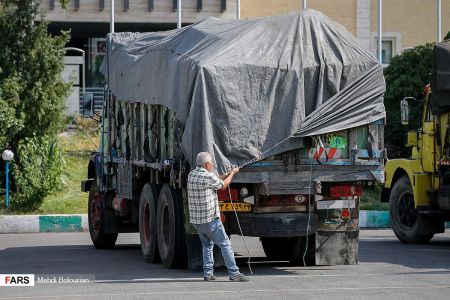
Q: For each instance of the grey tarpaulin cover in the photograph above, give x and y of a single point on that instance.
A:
(241, 86)
(440, 78)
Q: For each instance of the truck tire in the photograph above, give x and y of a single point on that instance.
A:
(405, 221)
(290, 249)
(170, 228)
(147, 223)
(96, 219)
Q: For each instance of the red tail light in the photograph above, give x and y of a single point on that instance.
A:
(225, 196)
(345, 190)
(345, 213)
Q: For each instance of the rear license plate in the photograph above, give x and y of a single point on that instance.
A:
(239, 206)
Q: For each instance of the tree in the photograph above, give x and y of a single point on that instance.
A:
(406, 76)
(32, 99)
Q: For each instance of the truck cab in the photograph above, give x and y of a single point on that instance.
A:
(417, 188)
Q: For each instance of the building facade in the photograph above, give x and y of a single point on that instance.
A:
(88, 22)
(406, 23)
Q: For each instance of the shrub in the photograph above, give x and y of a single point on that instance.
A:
(32, 100)
(40, 172)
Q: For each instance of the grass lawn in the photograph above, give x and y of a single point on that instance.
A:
(77, 146)
(70, 199)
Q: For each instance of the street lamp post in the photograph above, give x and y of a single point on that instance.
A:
(238, 9)
(7, 156)
(111, 17)
(439, 21)
(380, 24)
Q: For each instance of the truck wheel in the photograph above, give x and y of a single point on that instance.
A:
(147, 223)
(96, 218)
(276, 248)
(405, 221)
(170, 232)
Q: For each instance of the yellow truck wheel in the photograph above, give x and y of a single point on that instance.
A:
(405, 221)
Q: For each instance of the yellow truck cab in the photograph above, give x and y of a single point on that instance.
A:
(418, 187)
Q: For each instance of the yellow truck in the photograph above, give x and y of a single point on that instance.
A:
(418, 187)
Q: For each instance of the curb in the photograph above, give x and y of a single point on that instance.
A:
(79, 222)
(43, 223)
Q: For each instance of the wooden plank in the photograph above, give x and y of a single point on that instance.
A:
(143, 113)
(136, 131)
(170, 135)
(151, 114)
(162, 132)
(125, 127)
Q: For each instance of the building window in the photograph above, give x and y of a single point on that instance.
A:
(386, 52)
(390, 46)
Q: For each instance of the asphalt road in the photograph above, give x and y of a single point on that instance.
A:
(388, 269)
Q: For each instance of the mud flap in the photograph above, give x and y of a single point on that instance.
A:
(337, 247)
(195, 257)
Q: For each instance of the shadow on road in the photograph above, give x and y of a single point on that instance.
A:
(122, 264)
(125, 262)
(433, 255)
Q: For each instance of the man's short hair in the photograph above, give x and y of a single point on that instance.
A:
(203, 158)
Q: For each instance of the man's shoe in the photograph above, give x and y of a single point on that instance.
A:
(210, 278)
(239, 277)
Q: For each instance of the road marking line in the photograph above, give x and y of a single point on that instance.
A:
(201, 279)
(240, 291)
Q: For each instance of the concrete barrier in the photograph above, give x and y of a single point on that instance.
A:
(79, 222)
(43, 223)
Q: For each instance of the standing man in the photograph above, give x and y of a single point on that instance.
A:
(204, 214)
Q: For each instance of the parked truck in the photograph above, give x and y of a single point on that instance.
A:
(293, 99)
(418, 187)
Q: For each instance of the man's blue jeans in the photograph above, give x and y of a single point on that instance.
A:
(213, 233)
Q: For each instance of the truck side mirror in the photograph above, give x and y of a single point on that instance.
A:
(88, 105)
(404, 112)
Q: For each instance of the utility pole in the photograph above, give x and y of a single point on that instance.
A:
(238, 9)
(178, 13)
(380, 21)
(439, 20)
(111, 20)
(304, 4)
